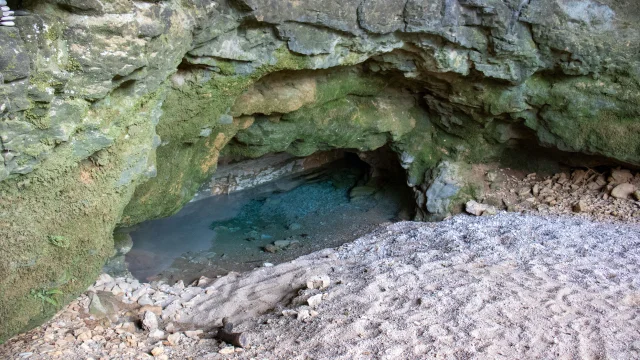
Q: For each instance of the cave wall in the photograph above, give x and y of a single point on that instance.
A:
(117, 111)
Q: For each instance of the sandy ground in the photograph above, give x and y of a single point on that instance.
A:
(501, 287)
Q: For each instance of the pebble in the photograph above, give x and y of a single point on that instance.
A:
(267, 264)
(157, 351)
(195, 334)
(227, 350)
(320, 282)
(7, 23)
(581, 206)
(623, 191)
(174, 339)
(477, 209)
(304, 315)
(157, 334)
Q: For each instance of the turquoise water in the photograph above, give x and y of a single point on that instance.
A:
(237, 232)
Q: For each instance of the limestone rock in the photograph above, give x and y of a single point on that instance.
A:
(621, 176)
(314, 300)
(623, 191)
(474, 208)
(320, 282)
(150, 321)
(581, 206)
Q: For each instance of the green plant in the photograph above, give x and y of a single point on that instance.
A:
(59, 241)
(46, 296)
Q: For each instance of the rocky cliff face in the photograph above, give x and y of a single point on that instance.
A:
(116, 111)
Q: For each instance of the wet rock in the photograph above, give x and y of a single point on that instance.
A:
(636, 195)
(623, 191)
(295, 226)
(270, 248)
(284, 244)
(362, 191)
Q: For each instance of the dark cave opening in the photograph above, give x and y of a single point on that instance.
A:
(323, 200)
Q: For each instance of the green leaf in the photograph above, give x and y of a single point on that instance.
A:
(50, 301)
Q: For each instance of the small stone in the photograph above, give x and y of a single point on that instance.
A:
(525, 191)
(270, 248)
(477, 209)
(7, 23)
(157, 334)
(289, 312)
(157, 310)
(150, 321)
(203, 281)
(623, 191)
(227, 350)
(295, 226)
(174, 339)
(536, 190)
(578, 176)
(157, 351)
(636, 194)
(314, 300)
(320, 282)
(281, 244)
(195, 334)
(170, 327)
(620, 176)
(304, 315)
(145, 300)
(84, 336)
(267, 264)
(581, 206)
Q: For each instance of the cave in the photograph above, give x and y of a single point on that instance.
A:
(269, 210)
(396, 168)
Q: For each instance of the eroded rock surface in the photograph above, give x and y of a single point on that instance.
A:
(117, 111)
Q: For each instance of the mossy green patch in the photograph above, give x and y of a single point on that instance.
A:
(57, 221)
(587, 115)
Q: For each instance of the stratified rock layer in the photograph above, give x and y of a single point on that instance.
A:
(97, 97)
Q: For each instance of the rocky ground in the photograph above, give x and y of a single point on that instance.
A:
(613, 195)
(491, 287)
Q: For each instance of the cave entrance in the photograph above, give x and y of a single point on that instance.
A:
(271, 210)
